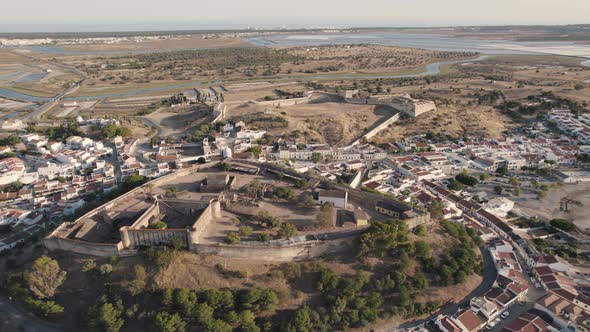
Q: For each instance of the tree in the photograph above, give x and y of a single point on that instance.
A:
(455, 185)
(287, 230)
(168, 297)
(45, 308)
(499, 189)
(483, 177)
(256, 150)
(166, 322)
(226, 167)
(436, 210)
(466, 179)
(513, 181)
(404, 296)
(184, 300)
(541, 194)
(45, 277)
(420, 281)
(300, 321)
(422, 249)
(517, 191)
(421, 230)
(326, 216)
(268, 299)
(138, 283)
(106, 317)
(563, 224)
(134, 181)
(306, 199)
(283, 192)
(316, 157)
(502, 170)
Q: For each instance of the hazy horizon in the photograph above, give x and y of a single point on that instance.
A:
(136, 15)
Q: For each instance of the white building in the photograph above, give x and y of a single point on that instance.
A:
(336, 197)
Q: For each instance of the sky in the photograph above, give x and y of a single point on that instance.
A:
(109, 15)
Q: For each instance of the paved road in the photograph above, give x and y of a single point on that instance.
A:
(13, 317)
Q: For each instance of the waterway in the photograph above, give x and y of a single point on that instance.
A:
(431, 69)
(424, 41)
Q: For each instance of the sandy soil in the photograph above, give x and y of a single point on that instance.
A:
(322, 120)
(548, 208)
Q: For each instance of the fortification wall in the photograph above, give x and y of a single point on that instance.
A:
(286, 102)
(83, 248)
(358, 178)
(135, 238)
(394, 118)
(219, 112)
(241, 209)
(148, 216)
(211, 212)
(274, 253)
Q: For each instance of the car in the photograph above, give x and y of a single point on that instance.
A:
(505, 315)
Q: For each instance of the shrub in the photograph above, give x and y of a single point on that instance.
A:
(232, 238)
(421, 230)
(159, 225)
(88, 265)
(245, 231)
(105, 269)
(264, 237)
(287, 230)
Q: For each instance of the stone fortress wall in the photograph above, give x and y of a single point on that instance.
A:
(287, 102)
(404, 103)
(137, 235)
(219, 110)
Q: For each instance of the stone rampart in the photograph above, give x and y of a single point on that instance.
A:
(212, 211)
(277, 253)
(393, 119)
(82, 247)
(287, 102)
(136, 238)
(219, 112)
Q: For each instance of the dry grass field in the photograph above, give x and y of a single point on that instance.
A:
(321, 121)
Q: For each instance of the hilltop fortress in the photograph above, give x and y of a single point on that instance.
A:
(207, 206)
(404, 103)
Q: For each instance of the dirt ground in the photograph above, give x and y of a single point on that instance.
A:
(323, 120)
(548, 208)
(174, 121)
(456, 122)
